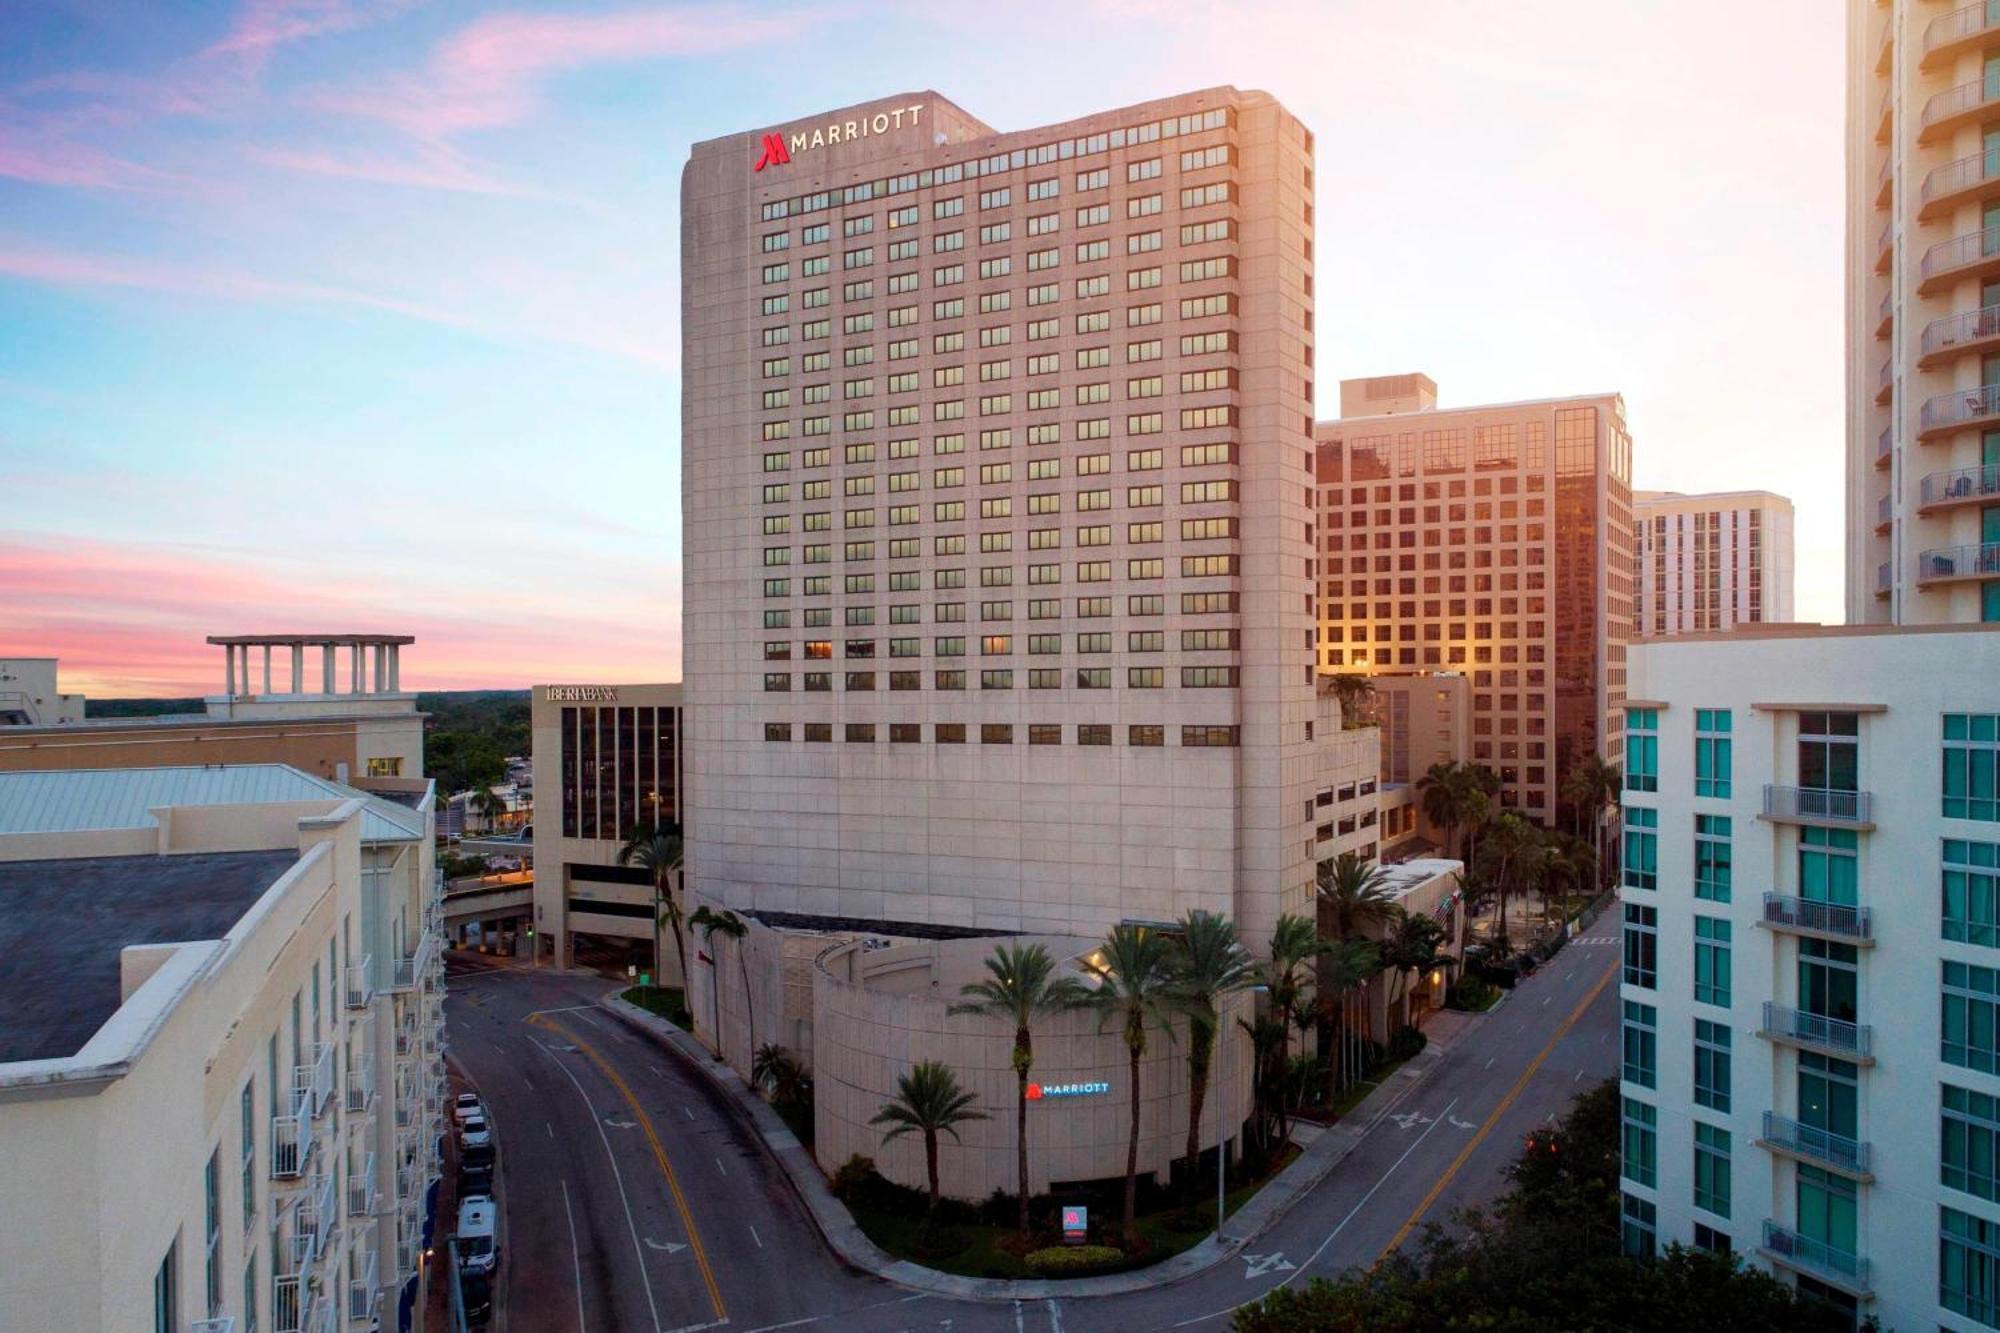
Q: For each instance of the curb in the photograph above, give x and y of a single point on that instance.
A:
(851, 1245)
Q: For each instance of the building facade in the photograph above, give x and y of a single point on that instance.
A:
(611, 760)
(221, 1070)
(1709, 563)
(1494, 541)
(996, 494)
(1811, 984)
(1923, 313)
(29, 697)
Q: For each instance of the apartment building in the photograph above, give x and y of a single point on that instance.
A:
(996, 494)
(1712, 562)
(1811, 985)
(221, 1077)
(1495, 541)
(612, 756)
(1923, 313)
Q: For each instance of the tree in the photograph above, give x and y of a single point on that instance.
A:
(1481, 801)
(712, 922)
(1511, 841)
(1295, 943)
(1411, 946)
(656, 849)
(929, 1102)
(1212, 965)
(1591, 787)
(1355, 693)
(778, 1072)
(1353, 893)
(1134, 970)
(1441, 792)
(1343, 968)
(1021, 986)
(488, 803)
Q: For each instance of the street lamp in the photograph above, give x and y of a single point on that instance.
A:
(1221, 1111)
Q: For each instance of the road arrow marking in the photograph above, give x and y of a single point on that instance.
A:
(1412, 1119)
(669, 1247)
(1456, 1123)
(618, 1122)
(1257, 1265)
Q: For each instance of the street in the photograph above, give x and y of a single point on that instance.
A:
(632, 1199)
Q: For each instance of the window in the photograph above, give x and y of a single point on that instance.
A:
(1971, 753)
(1146, 735)
(1711, 858)
(1709, 1239)
(1642, 848)
(1093, 733)
(1972, 892)
(167, 1292)
(1711, 1065)
(1828, 870)
(1969, 1266)
(1641, 1044)
(1711, 960)
(211, 1182)
(1642, 939)
(1711, 1169)
(1969, 1131)
(1642, 749)
(1971, 1034)
(1641, 1142)
(1711, 752)
(247, 1113)
(1637, 1227)
(1829, 752)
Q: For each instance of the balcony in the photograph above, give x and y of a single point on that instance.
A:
(1819, 806)
(1973, 255)
(1961, 409)
(1885, 247)
(292, 1140)
(1959, 564)
(413, 969)
(1965, 486)
(1885, 446)
(1817, 1032)
(1825, 921)
(299, 1308)
(409, 1243)
(362, 1196)
(1816, 1259)
(1821, 1147)
(1885, 118)
(314, 1082)
(1885, 515)
(360, 982)
(1966, 181)
(360, 1086)
(1885, 382)
(1885, 181)
(1954, 107)
(364, 1292)
(220, 1324)
(1960, 30)
(1885, 316)
(1961, 334)
(1885, 53)
(1885, 580)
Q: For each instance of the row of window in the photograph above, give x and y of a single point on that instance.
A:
(1087, 571)
(953, 341)
(1003, 733)
(1137, 641)
(1087, 608)
(1222, 417)
(1086, 678)
(1208, 269)
(1712, 751)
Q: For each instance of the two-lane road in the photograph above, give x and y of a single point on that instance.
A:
(633, 1199)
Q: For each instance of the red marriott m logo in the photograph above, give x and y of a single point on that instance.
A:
(775, 154)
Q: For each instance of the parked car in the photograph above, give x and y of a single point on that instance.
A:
(465, 1106)
(475, 1177)
(476, 1291)
(475, 1132)
(478, 1235)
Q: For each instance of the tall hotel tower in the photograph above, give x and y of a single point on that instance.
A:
(1923, 313)
(997, 470)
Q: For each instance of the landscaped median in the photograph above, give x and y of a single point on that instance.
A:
(984, 1267)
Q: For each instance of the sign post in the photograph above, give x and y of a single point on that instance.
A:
(1075, 1223)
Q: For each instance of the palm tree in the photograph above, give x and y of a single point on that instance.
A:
(778, 1072)
(1346, 964)
(1353, 894)
(656, 849)
(1591, 787)
(1412, 946)
(1294, 944)
(1482, 798)
(488, 803)
(1441, 792)
(1213, 964)
(711, 922)
(1353, 690)
(1512, 841)
(1134, 970)
(1021, 987)
(929, 1102)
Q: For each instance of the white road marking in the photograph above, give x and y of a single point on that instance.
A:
(1546, 999)
(754, 1236)
(1019, 1325)
(665, 1247)
(720, 1167)
(550, 1128)
(1258, 1265)
(1352, 1213)
(1456, 1123)
(618, 1176)
(1568, 975)
(584, 1013)
(1055, 1316)
(1578, 1078)
(1490, 1059)
(576, 1262)
(656, 1071)
(570, 1009)
(685, 1111)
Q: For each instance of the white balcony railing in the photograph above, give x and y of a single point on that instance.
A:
(292, 1138)
(413, 969)
(1821, 1145)
(312, 1083)
(1800, 1028)
(1817, 804)
(362, 1196)
(361, 982)
(1815, 1256)
(364, 1290)
(220, 1324)
(1786, 912)
(361, 1085)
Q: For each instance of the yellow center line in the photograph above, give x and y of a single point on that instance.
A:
(659, 1155)
(1513, 1093)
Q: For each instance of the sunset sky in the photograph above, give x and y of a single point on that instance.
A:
(362, 315)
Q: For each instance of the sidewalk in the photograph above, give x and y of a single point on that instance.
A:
(853, 1247)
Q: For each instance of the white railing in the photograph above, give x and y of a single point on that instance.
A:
(1817, 803)
(364, 1293)
(292, 1139)
(361, 982)
(413, 968)
(361, 1191)
(409, 1243)
(361, 1085)
(1802, 1251)
(220, 1324)
(1808, 1029)
(312, 1084)
(315, 1220)
(1788, 912)
(1822, 1145)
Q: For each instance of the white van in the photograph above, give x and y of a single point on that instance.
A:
(478, 1235)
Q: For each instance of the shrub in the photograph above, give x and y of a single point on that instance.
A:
(1407, 1042)
(1469, 993)
(1073, 1260)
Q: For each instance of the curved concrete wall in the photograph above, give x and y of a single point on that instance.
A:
(878, 1012)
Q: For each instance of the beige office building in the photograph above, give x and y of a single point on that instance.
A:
(221, 1073)
(1494, 541)
(1923, 313)
(609, 761)
(1712, 562)
(997, 484)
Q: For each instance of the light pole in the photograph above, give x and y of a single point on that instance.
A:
(1222, 1111)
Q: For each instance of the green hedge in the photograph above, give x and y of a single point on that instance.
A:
(1073, 1260)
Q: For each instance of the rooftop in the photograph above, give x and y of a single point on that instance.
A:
(63, 924)
(80, 800)
(1403, 877)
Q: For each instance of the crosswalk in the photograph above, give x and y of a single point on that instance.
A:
(1594, 939)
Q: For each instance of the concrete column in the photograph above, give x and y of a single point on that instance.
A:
(395, 668)
(326, 668)
(298, 668)
(354, 669)
(381, 666)
(267, 668)
(229, 668)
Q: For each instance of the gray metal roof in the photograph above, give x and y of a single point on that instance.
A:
(78, 800)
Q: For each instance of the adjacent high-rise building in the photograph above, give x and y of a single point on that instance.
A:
(1923, 313)
(997, 487)
(1494, 541)
(1712, 562)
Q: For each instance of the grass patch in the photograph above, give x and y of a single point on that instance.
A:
(666, 1001)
